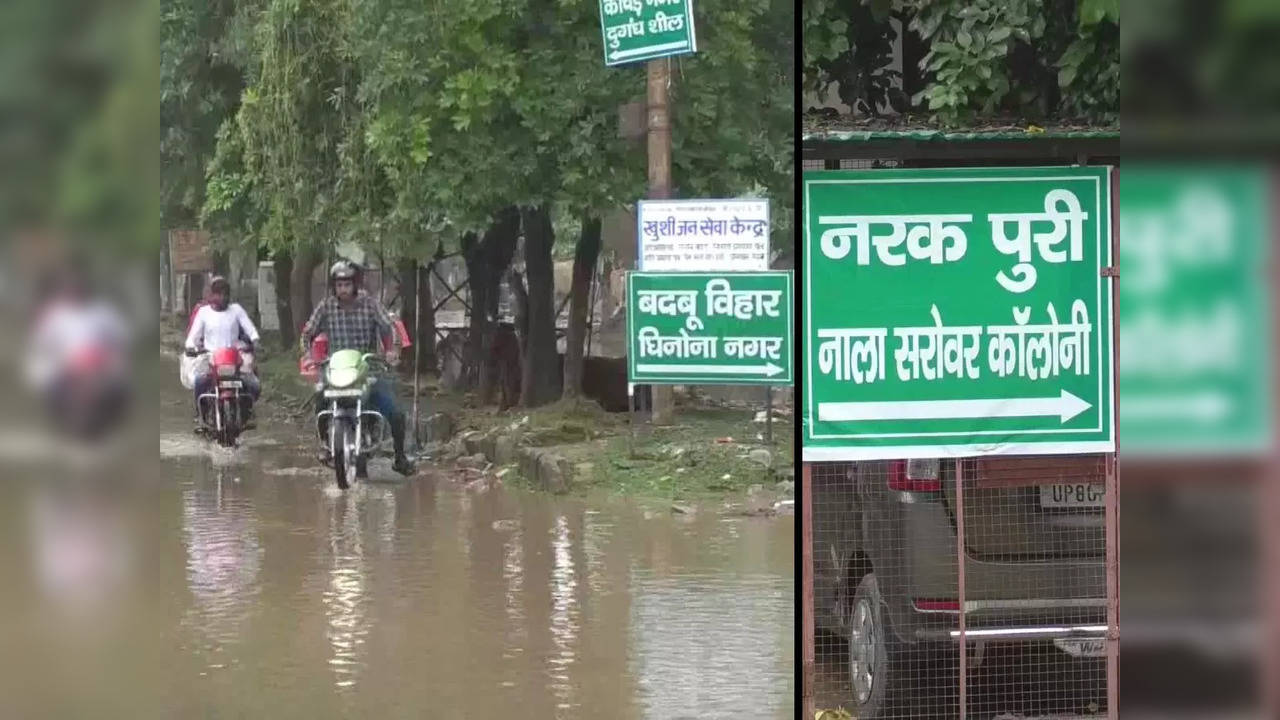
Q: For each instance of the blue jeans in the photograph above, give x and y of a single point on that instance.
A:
(382, 396)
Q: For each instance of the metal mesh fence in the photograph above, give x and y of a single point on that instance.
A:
(893, 605)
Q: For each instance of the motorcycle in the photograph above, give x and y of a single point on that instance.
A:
(88, 399)
(351, 432)
(223, 412)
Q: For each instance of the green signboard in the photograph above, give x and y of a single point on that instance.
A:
(1195, 350)
(731, 328)
(635, 30)
(957, 312)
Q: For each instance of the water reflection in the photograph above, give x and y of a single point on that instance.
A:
(424, 599)
(345, 597)
(513, 579)
(712, 635)
(224, 557)
(564, 615)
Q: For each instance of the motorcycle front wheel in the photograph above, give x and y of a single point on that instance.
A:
(230, 422)
(345, 460)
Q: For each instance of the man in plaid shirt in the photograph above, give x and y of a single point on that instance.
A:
(356, 321)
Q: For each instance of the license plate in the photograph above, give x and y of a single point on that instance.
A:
(343, 393)
(1082, 648)
(231, 384)
(1072, 495)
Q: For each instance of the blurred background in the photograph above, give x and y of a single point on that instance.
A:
(1200, 92)
(78, 241)
(79, 231)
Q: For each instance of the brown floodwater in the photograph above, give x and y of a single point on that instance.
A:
(244, 584)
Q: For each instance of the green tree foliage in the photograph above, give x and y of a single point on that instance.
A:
(408, 117)
(403, 124)
(980, 58)
(200, 86)
(850, 46)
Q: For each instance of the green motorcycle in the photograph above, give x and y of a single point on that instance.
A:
(351, 432)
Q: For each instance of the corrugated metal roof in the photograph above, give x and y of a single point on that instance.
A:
(820, 127)
(1028, 135)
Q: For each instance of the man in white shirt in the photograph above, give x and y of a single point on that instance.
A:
(78, 356)
(218, 325)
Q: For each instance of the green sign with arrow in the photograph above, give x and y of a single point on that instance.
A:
(730, 328)
(1194, 314)
(957, 312)
(636, 30)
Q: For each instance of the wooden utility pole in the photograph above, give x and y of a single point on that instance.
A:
(659, 124)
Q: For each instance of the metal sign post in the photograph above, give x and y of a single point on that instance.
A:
(768, 414)
(417, 351)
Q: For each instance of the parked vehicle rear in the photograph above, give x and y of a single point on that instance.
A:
(887, 580)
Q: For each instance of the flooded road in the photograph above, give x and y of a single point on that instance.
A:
(266, 592)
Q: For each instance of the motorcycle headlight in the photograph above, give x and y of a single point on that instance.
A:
(343, 377)
(226, 371)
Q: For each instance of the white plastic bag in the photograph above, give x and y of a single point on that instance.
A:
(191, 368)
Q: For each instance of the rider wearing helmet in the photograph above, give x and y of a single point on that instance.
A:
(353, 320)
(77, 352)
(221, 324)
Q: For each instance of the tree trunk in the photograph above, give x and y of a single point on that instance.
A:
(221, 263)
(487, 259)
(584, 265)
(304, 265)
(498, 247)
(540, 381)
(520, 294)
(283, 269)
(412, 295)
(605, 293)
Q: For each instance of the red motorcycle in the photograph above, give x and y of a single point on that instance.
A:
(223, 412)
(88, 399)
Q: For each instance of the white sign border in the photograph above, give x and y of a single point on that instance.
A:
(768, 221)
(654, 54)
(891, 452)
(786, 379)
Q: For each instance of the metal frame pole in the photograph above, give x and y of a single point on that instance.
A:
(417, 351)
(807, 651)
(768, 414)
(1112, 489)
(963, 643)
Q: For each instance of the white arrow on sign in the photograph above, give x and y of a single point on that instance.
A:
(1065, 406)
(624, 54)
(1207, 406)
(767, 370)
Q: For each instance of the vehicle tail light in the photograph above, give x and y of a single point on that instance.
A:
(931, 605)
(403, 333)
(915, 475)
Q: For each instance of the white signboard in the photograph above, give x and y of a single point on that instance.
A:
(702, 235)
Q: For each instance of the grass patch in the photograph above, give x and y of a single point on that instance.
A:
(560, 423)
(706, 453)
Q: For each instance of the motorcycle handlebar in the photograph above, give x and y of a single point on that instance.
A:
(197, 353)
